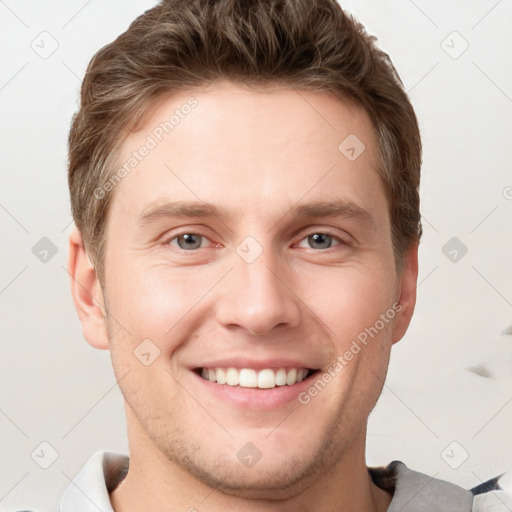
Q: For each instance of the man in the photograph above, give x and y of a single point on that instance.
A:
(244, 182)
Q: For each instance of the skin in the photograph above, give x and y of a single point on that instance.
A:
(256, 153)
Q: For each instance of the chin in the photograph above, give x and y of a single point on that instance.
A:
(263, 481)
(277, 475)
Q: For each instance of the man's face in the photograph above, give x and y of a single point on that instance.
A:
(258, 284)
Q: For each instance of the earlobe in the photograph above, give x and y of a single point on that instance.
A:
(408, 281)
(87, 293)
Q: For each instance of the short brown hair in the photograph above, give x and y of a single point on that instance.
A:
(179, 44)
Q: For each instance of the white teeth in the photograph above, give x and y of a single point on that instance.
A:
(221, 376)
(291, 377)
(232, 377)
(249, 378)
(266, 379)
(281, 377)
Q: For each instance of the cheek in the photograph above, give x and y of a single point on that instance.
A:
(155, 301)
(348, 299)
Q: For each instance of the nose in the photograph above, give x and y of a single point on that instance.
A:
(257, 296)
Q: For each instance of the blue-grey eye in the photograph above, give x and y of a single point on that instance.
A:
(322, 239)
(189, 241)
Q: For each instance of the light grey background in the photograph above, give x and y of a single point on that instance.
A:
(450, 377)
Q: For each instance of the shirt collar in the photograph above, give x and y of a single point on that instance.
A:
(417, 492)
(89, 491)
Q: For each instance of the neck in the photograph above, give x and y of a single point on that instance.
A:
(154, 483)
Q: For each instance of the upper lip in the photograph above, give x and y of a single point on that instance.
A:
(255, 364)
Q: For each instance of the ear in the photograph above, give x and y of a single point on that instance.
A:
(87, 293)
(408, 280)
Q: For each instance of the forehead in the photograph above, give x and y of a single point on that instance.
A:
(250, 149)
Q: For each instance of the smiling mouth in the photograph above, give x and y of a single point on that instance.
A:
(249, 378)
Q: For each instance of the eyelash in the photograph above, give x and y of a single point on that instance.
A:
(341, 242)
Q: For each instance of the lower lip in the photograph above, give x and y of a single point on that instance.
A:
(256, 398)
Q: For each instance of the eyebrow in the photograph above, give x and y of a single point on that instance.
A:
(159, 209)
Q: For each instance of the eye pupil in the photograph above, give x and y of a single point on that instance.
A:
(320, 238)
(190, 240)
